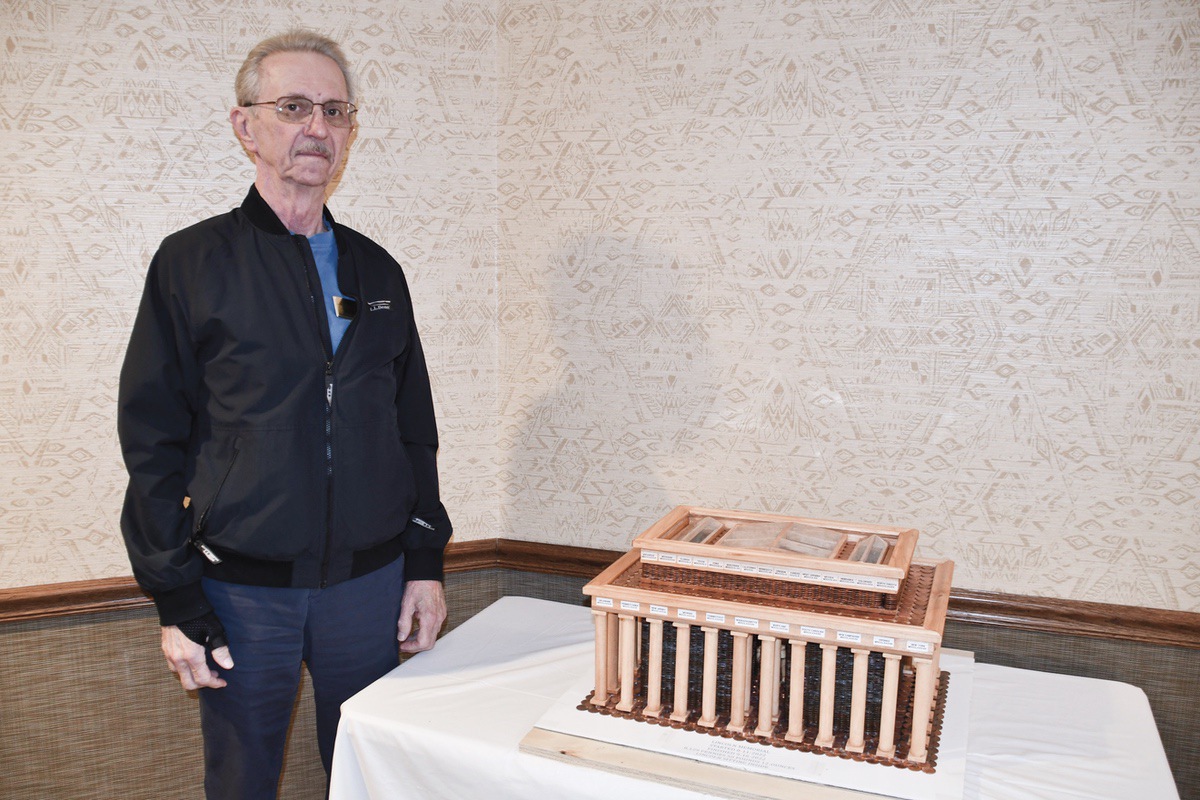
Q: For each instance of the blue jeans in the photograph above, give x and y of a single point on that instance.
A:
(345, 634)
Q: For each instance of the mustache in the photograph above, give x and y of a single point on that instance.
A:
(315, 147)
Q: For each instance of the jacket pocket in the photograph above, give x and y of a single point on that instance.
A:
(202, 517)
(373, 484)
(267, 502)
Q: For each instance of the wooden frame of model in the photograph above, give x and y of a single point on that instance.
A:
(804, 633)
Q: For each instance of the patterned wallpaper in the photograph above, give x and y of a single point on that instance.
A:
(926, 263)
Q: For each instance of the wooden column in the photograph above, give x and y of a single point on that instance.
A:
(739, 697)
(613, 669)
(654, 670)
(828, 685)
(768, 685)
(855, 743)
(683, 650)
(923, 693)
(600, 695)
(708, 695)
(628, 659)
(795, 731)
(887, 713)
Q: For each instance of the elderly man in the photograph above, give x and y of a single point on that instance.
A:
(277, 424)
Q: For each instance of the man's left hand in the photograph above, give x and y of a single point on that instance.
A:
(422, 613)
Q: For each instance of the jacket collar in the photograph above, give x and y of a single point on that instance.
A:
(263, 216)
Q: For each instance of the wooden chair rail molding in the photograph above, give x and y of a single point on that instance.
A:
(1047, 615)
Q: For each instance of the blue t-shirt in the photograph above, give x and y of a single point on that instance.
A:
(324, 250)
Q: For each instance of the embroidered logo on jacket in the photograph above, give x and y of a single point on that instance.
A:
(379, 305)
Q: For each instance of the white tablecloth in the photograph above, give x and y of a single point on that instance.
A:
(446, 725)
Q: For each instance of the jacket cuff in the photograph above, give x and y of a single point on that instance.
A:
(424, 564)
(182, 604)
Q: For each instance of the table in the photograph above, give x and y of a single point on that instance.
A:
(446, 725)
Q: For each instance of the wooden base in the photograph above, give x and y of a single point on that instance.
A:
(684, 773)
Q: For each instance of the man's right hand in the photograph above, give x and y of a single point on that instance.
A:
(186, 659)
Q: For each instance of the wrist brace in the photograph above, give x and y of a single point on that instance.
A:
(206, 630)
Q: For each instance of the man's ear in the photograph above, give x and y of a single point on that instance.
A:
(239, 117)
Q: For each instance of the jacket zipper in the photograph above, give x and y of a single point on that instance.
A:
(198, 529)
(328, 356)
(328, 473)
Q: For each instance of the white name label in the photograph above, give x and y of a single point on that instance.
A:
(684, 613)
(604, 602)
(745, 622)
(884, 641)
(711, 617)
(920, 647)
(846, 636)
(631, 605)
(810, 631)
(781, 627)
(658, 609)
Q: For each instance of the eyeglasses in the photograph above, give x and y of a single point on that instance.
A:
(298, 111)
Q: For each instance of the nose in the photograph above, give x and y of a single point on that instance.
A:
(316, 126)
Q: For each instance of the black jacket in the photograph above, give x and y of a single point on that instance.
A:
(300, 469)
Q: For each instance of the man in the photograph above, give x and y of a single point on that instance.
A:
(277, 424)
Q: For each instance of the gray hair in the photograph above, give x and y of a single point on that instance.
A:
(249, 77)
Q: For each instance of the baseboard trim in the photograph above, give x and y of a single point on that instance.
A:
(1023, 612)
(67, 599)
